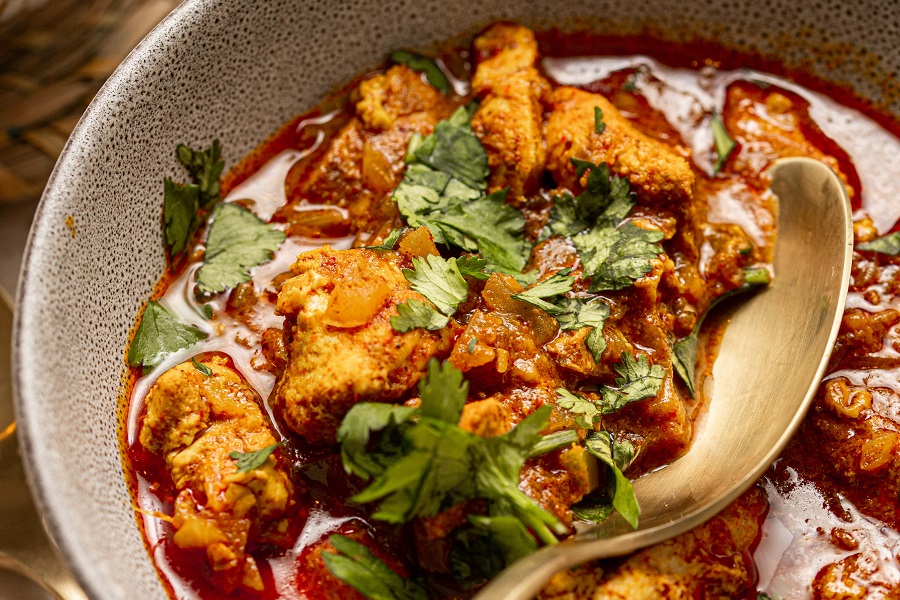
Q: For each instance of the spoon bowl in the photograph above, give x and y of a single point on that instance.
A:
(771, 359)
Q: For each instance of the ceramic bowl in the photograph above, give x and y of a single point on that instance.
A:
(235, 70)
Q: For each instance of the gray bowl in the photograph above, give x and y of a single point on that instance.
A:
(235, 70)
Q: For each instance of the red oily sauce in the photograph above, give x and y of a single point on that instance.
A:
(827, 522)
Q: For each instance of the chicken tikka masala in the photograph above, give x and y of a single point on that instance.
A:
(449, 315)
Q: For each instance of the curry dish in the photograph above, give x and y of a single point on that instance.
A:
(444, 318)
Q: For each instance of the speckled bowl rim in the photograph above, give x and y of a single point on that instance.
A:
(25, 354)
(51, 507)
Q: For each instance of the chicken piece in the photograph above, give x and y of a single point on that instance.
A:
(711, 561)
(195, 421)
(364, 162)
(656, 172)
(771, 124)
(509, 119)
(342, 348)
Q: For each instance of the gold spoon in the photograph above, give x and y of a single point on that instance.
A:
(771, 360)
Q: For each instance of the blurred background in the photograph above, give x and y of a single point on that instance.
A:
(54, 56)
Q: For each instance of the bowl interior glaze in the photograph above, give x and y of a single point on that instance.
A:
(235, 70)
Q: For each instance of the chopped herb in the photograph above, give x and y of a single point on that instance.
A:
(559, 283)
(180, 206)
(605, 195)
(472, 266)
(887, 244)
(617, 456)
(201, 367)
(358, 567)
(637, 380)
(554, 441)
(248, 461)
(423, 64)
(443, 189)
(439, 280)
(588, 412)
(471, 346)
(615, 258)
(494, 226)
(205, 167)
(724, 143)
(591, 511)
(437, 464)
(614, 255)
(238, 241)
(416, 314)
(207, 311)
(757, 276)
(390, 241)
(599, 125)
(684, 352)
(159, 335)
(355, 432)
(489, 545)
(579, 313)
(454, 149)
(763, 596)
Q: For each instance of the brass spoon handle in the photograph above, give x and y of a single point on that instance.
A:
(772, 357)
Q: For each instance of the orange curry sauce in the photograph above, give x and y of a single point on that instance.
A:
(822, 522)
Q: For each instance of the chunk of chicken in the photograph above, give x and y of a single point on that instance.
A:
(509, 120)
(364, 162)
(656, 172)
(195, 422)
(711, 561)
(342, 348)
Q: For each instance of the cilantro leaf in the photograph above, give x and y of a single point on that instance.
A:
(605, 195)
(615, 258)
(433, 474)
(489, 545)
(423, 64)
(201, 367)
(238, 241)
(498, 461)
(180, 206)
(617, 456)
(443, 392)
(887, 244)
(684, 358)
(588, 412)
(390, 241)
(554, 441)
(577, 313)
(454, 149)
(495, 227)
(205, 167)
(416, 314)
(247, 461)
(599, 125)
(159, 335)
(363, 420)
(559, 283)
(724, 143)
(591, 511)
(358, 567)
(684, 352)
(439, 280)
(472, 266)
(613, 255)
(439, 464)
(637, 380)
